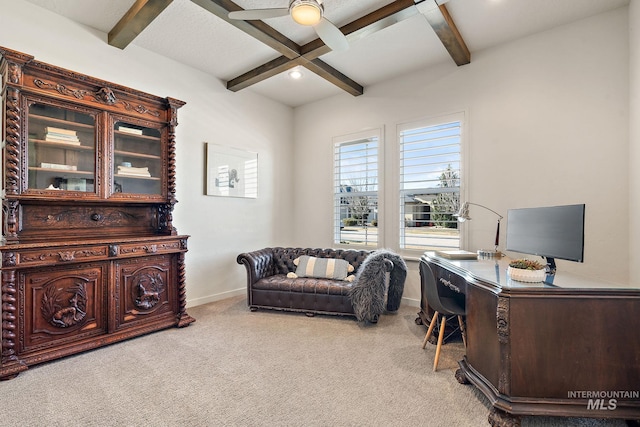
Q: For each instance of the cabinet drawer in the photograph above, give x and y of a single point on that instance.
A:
(86, 220)
(151, 247)
(56, 255)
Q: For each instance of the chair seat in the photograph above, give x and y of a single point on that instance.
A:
(451, 307)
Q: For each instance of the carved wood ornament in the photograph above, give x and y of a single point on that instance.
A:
(63, 308)
(146, 289)
(103, 95)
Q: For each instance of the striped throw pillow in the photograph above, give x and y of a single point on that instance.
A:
(326, 268)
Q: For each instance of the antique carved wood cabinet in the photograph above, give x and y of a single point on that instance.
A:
(89, 252)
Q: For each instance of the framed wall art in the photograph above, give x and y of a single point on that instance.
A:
(231, 172)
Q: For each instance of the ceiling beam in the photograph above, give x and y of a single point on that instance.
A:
(382, 18)
(334, 76)
(135, 21)
(307, 55)
(256, 29)
(375, 21)
(290, 51)
(448, 33)
(263, 72)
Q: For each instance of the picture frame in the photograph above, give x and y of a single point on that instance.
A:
(231, 172)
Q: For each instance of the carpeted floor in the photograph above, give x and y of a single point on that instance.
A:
(237, 368)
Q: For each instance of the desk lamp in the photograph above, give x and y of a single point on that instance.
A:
(463, 215)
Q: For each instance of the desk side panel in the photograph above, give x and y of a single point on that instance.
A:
(573, 343)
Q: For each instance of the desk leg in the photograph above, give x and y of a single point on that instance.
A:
(461, 377)
(498, 418)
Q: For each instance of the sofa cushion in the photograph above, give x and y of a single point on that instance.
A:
(323, 268)
(305, 285)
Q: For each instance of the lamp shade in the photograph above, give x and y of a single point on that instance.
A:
(463, 213)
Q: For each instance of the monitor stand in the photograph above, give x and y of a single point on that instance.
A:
(551, 265)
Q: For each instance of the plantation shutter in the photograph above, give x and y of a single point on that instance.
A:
(356, 192)
(430, 166)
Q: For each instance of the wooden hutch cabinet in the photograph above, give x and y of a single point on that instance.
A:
(89, 252)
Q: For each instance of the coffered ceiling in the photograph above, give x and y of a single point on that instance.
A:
(386, 38)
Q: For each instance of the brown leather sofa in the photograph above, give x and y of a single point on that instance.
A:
(269, 287)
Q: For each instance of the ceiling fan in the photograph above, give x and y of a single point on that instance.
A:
(304, 12)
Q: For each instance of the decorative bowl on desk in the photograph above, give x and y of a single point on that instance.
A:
(526, 270)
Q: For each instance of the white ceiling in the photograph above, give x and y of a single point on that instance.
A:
(191, 35)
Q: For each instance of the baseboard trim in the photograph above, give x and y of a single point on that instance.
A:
(224, 295)
(411, 302)
(215, 297)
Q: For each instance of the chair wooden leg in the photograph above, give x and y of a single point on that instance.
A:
(431, 326)
(440, 338)
(463, 331)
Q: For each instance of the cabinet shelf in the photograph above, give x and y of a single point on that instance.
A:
(62, 172)
(119, 134)
(52, 120)
(147, 178)
(134, 154)
(64, 145)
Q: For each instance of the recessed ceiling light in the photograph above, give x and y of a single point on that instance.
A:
(295, 74)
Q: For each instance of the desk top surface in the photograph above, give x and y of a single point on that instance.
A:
(494, 272)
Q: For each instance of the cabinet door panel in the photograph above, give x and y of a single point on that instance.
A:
(61, 305)
(61, 149)
(147, 289)
(139, 158)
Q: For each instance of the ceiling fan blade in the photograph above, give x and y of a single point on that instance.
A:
(255, 14)
(331, 35)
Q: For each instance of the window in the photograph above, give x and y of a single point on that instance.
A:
(430, 167)
(355, 191)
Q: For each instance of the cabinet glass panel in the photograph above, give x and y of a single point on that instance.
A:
(137, 152)
(62, 149)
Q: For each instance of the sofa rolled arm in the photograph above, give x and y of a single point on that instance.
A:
(259, 264)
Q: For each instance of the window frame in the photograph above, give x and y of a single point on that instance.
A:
(426, 122)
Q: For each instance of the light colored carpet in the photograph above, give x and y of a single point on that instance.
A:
(237, 368)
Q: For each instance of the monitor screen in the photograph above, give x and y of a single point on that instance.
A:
(551, 232)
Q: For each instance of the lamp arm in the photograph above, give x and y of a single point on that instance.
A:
(489, 209)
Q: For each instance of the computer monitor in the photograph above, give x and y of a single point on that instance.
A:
(551, 232)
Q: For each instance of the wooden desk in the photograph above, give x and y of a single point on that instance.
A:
(571, 348)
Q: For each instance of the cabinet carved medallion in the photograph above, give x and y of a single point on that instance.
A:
(64, 307)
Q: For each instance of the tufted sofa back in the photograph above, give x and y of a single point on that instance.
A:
(283, 257)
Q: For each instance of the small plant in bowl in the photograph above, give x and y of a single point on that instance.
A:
(527, 270)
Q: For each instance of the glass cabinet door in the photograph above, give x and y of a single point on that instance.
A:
(137, 159)
(62, 149)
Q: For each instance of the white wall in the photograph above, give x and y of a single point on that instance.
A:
(220, 228)
(634, 140)
(547, 124)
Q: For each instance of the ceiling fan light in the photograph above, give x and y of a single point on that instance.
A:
(306, 12)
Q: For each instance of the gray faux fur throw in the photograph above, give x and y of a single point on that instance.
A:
(368, 289)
